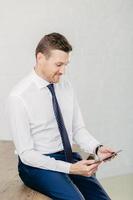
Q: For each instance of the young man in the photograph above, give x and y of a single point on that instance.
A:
(45, 121)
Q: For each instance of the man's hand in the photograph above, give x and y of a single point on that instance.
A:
(104, 152)
(84, 168)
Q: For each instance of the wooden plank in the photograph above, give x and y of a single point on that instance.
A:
(11, 187)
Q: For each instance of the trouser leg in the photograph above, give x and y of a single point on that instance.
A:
(60, 185)
(90, 187)
(56, 185)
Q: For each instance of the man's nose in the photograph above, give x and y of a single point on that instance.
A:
(62, 70)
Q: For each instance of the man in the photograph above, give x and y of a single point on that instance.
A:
(45, 121)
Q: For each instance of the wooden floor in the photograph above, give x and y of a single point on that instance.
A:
(11, 187)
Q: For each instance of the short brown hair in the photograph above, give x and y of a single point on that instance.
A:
(53, 41)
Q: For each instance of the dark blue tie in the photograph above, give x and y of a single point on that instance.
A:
(61, 125)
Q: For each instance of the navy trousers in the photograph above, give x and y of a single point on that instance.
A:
(61, 186)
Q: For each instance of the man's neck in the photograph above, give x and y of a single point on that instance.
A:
(39, 73)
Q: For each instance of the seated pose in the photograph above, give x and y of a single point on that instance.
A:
(45, 121)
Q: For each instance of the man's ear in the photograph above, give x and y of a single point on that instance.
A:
(39, 56)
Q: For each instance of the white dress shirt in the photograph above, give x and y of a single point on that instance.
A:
(34, 127)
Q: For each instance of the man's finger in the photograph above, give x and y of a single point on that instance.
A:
(87, 162)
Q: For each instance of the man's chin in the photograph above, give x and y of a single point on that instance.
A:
(56, 80)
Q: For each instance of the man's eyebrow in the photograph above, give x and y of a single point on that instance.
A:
(63, 62)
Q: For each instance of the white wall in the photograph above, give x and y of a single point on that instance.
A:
(101, 32)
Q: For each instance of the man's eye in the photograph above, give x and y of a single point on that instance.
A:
(58, 65)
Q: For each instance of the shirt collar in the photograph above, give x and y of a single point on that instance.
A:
(41, 83)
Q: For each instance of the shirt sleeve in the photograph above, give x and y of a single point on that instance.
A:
(19, 126)
(81, 135)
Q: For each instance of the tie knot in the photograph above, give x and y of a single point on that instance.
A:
(51, 88)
